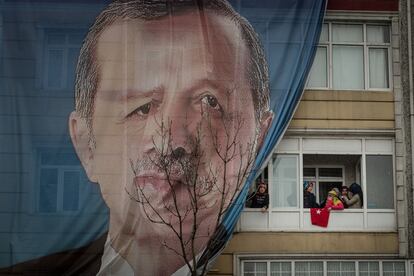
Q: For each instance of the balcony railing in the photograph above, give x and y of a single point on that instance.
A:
(370, 220)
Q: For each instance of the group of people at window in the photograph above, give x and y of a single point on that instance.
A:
(347, 197)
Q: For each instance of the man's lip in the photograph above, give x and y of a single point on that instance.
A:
(158, 182)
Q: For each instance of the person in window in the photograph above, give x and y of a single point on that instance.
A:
(309, 199)
(260, 198)
(333, 202)
(344, 195)
(355, 196)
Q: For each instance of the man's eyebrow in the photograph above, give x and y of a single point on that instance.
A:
(134, 93)
(215, 84)
(131, 94)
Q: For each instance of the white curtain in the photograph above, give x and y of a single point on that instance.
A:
(348, 67)
(378, 68)
(285, 172)
(318, 76)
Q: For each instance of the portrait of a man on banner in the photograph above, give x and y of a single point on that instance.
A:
(174, 111)
(172, 105)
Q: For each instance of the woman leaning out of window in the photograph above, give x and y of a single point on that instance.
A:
(355, 196)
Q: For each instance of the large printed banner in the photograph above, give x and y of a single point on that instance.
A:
(130, 131)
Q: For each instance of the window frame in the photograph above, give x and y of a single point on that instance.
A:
(60, 184)
(366, 46)
(298, 219)
(241, 260)
(318, 178)
(42, 66)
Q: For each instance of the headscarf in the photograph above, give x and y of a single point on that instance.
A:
(306, 185)
(334, 194)
(355, 189)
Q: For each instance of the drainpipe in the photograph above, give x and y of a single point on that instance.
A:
(410, 186)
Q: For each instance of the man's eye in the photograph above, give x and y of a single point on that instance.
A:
(141, 111)
(211, 102)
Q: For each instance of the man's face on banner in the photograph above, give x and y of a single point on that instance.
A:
(184, 72)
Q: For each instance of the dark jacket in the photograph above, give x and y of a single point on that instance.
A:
(309, 200)
(85, 261)
(259, 200)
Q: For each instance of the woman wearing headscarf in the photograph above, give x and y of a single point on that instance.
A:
(356, 198)
(309, 199)
(333, 202)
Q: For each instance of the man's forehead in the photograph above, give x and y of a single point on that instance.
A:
(184, 47)
(193, 27)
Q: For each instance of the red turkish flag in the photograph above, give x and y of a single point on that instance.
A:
(319, 216)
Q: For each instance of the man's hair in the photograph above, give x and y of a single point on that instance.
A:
(88, 74)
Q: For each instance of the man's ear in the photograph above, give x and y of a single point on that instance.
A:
(265, 124)
(80, 135)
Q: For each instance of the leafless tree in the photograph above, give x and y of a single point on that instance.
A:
(190, 167)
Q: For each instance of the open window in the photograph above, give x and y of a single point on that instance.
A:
(330, 171)
(329, 163)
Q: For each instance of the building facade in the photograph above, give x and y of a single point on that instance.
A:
(353, 125)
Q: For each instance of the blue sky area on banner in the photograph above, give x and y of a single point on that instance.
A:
(36, 106)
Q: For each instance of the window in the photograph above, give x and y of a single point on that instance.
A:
(369, 269)
(328, 163)
(255, 269)
(393, 269)
(308, 269)
(341, 268)
(352, 56)
(380, 188)
(325, 178)
(286, 176)
(60, 176)
(321, 267)
(280, 269)
(60, 57)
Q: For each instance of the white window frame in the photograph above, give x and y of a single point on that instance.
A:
(241, 259)
(366, 46)
(298, 219)
(318, 178)
(43, 30)
(60, 185)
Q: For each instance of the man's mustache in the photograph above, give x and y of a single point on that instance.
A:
(177, 162)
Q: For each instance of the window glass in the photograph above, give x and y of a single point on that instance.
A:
(341, 268)
(318, 76)
(378, 68)
(56, 39)
(71, 181)
(48, 190)
(348, 67)
(324, 33)
(378, 34)
(309, 172)
(347, 33)
(393, 268)
(330, 172)
(380, 190)
(369, 269)
(280, 269)
(255, 269)
(340, 57)
(308, 268)
(55, 70)
(285, 172)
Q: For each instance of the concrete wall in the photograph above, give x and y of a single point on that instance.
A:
(345, 110)
(304, 243)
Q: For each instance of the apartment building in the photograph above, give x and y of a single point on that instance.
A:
(353, 125)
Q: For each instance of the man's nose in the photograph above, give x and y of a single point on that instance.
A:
(180, 135)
